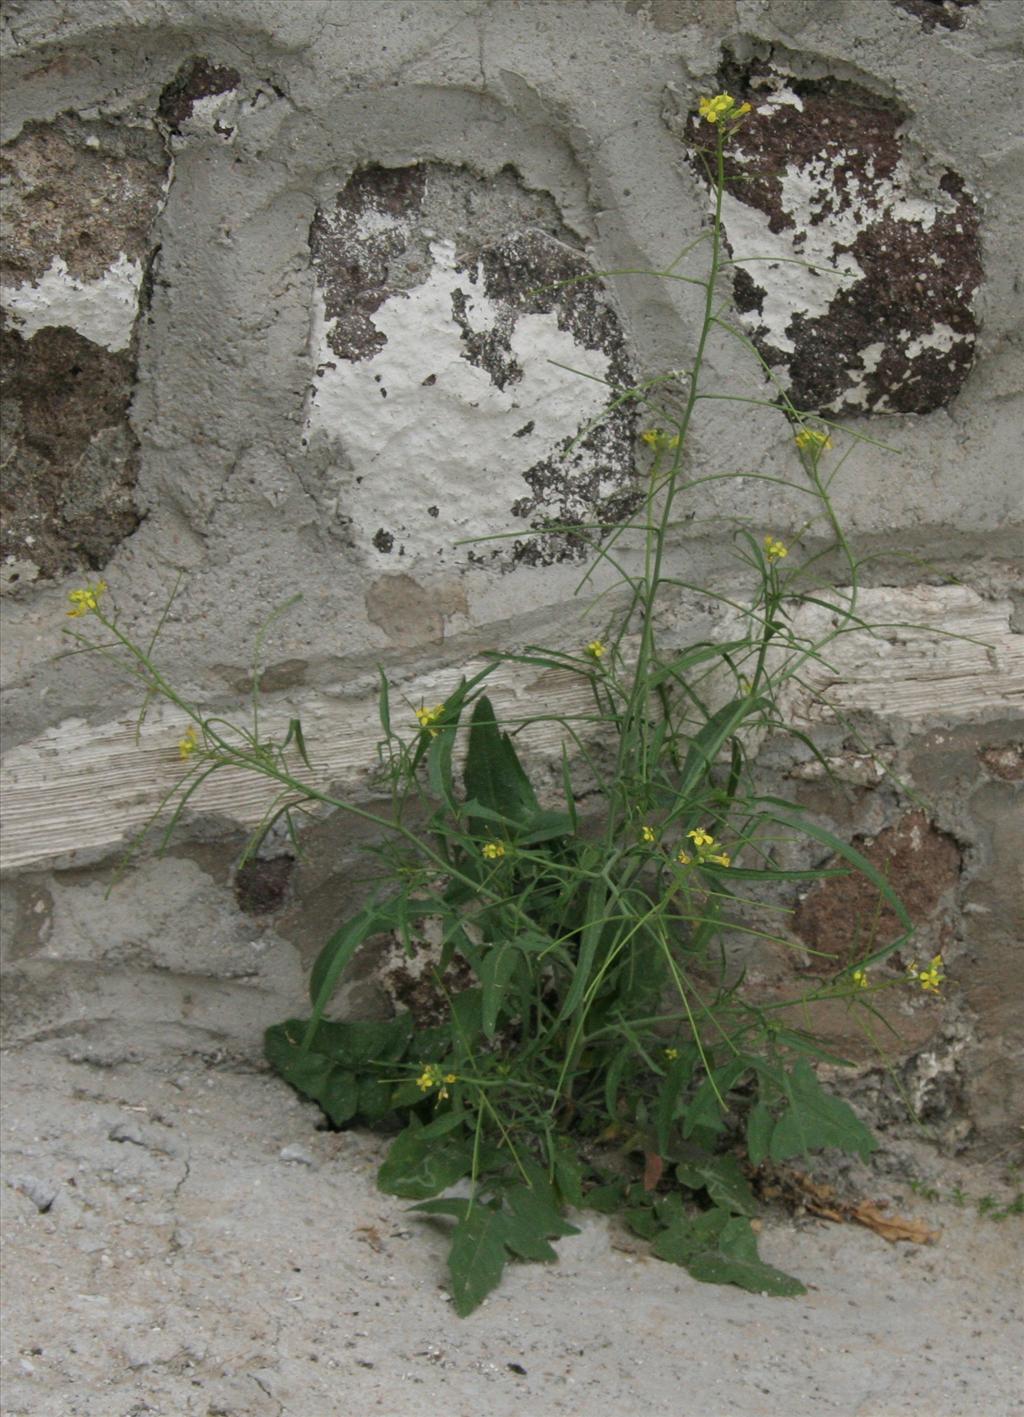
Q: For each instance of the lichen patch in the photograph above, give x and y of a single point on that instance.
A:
(856, 278)
(447, 344)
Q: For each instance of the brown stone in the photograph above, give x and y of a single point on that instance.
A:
(845, 918)
(71, 458)
(897, 338)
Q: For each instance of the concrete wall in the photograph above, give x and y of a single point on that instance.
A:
(278, 316)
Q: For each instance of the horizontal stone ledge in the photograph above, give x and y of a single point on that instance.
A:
(940, 655)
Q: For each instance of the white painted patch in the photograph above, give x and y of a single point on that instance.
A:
(207, 110)
(809, 262)
(457, 443)
(782, 271)
(940, 337)
(101, 310)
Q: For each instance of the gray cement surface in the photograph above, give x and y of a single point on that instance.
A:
(187, 1244)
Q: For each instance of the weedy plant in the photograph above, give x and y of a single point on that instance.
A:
(594, 1048)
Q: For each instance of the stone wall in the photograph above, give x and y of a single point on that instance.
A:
(292, 301)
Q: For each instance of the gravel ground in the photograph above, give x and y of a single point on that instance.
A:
(185, 1243)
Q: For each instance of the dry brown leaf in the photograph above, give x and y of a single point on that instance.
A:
(893, 1227)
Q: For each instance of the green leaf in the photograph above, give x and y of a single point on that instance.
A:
(375, 1099)
(415, 1168)
(568, 1176)
(495, 971)
(706, 1109)
(384, 703)
(295, 731)
(439, 767)
(642, 1221)
(717, 1248)
(312, 1073)
(535, 1209)
(493, 772)
(477, 1256)
(590, 937)
(724, 1182)
(544, 826)
(759, 1131)
(340, 1096)
(669, 1103)
(737, 1262)
(467, 1020)
(814, 1119)
(706, 745)
(605, 1199)
(372, 920)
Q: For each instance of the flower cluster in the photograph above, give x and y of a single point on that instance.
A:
(860, 978)
(774, 550)
(811, 440)
(722, 106)
(659, 440)
(428, 717)
(596, 649)
(493, 851)
(648, 835)
(930, 979)
(188, 745)
(704, 844)
(432, 1077)
(84, 601)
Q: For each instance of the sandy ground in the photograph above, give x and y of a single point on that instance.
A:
(164, 1256)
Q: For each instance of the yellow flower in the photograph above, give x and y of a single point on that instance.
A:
(596, 649)
(774, 550)
(671, 1054)
(932, 978)
(860, 978)
(682, 857)
(188, 745)
(86, 600)
(810, 440)
(647, 834)
(722, 859)
(493, 850)
(429, 1078)
(715, 108)
(657, 438)
(450, 1077)
(700, 838)
(428, 717)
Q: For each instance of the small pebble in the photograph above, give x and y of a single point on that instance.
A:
(41, 1193)
(297, 1153)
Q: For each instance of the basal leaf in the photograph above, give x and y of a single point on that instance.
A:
(477, 1256)
(493, 774)
(417, 1169)
(759, 1131)
(814, 1119)
(724, 1182)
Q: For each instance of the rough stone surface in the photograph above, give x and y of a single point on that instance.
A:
(945, 14)
(446, 302)
(818, 175)
(80, 200)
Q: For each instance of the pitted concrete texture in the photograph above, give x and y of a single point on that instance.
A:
(185, 1243)
(341, 297)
